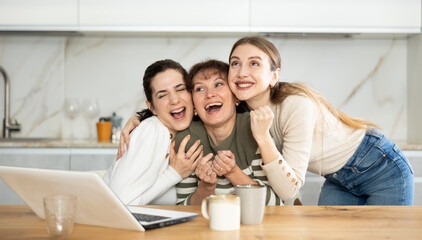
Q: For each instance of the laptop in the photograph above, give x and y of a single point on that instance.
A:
(96, 203)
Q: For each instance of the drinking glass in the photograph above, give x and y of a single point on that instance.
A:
(91, 110)
(71, 110)
(59, 211)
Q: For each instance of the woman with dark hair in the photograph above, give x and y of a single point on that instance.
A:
(360, 165)
(149, 170)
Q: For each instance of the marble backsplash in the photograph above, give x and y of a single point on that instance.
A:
(365, 78)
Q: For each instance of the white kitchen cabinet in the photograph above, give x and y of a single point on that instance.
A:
(40, 15)
(333, 16)
(83, 159)
(415, 159)
(164, 15)
(30, 158)
(219, 16)
(76, 159)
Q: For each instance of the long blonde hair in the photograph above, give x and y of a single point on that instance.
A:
(282, 90)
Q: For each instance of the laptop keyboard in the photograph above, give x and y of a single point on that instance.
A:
(148, 217)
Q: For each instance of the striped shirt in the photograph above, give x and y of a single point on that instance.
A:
(241, 143)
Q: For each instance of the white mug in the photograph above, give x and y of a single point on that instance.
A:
(252, 202)
(224, 211)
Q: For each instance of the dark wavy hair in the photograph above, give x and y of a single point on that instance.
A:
(151, 71)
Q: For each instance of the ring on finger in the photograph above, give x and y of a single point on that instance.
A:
(186, 157)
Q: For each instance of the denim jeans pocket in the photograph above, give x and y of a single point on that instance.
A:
(371, 159)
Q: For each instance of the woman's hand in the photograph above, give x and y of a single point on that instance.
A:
(261, 120)
(185, 163)
(208, 181)
(124, 135)
(224, 163)
(204, 171)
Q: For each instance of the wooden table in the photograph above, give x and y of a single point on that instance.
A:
(280, 222)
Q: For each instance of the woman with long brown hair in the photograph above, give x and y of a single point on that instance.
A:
(361, 166)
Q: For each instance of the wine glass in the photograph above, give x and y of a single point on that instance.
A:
(91, 110)
(71, 109)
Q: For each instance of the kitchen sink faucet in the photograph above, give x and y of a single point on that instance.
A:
(8, 126)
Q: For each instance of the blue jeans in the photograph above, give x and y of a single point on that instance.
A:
(378, 173)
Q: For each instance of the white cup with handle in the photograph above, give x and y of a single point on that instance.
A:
(223, 211)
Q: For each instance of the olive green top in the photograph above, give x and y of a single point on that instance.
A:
(245, 149)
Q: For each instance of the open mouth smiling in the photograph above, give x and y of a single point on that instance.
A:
(213, 107)
(178, 113)
(242, 84)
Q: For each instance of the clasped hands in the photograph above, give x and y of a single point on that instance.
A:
(224, 163)
(193, 160)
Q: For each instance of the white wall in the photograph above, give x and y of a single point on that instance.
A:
(363, 77)
(414, 96)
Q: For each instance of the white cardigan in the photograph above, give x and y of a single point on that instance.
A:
(143, 175)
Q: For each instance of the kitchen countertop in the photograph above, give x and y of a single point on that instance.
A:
(408, 146)
(58, 143)
(93, 143)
